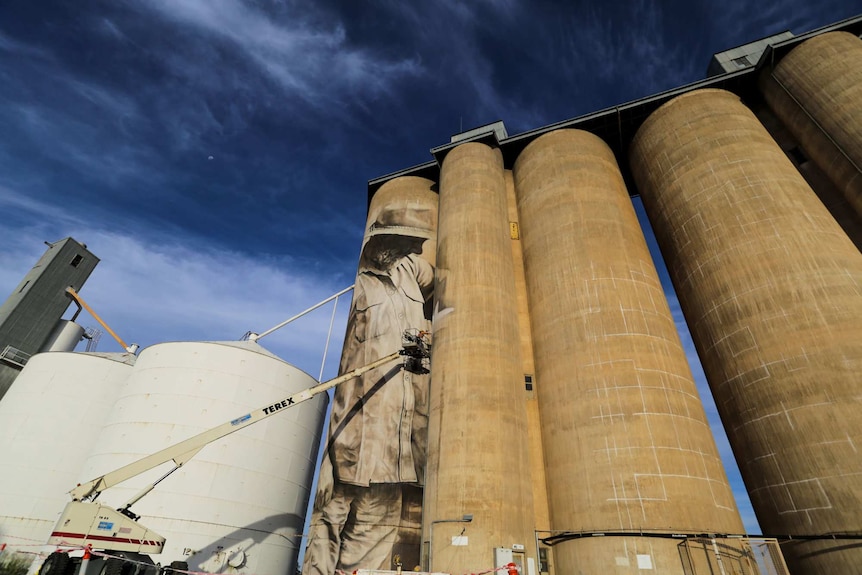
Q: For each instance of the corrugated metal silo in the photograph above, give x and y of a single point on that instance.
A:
(239, 505)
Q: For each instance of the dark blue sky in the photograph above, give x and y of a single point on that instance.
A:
(117, 106)
(215, 153)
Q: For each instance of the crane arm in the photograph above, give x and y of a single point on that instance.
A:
(183, 451)
(74, 295)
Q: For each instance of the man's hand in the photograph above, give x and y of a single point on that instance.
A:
(325, 482)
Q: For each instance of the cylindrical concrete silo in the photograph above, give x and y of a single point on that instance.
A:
(238, 506)
(48, 421)
(478, 465)
(820, 183)
(376, 449)
(816, 90)
(535, 449)
(771, 288)
(626, 439)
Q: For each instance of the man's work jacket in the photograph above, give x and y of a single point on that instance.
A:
(378, 428)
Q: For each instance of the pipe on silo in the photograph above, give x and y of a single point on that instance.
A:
(478, 461)
(627, 442)
(816, 90)
(771, 288)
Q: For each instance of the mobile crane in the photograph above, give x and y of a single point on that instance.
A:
(116, 533)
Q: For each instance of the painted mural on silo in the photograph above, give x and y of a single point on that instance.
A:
(368, 509)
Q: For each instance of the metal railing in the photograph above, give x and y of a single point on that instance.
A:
(14, 356)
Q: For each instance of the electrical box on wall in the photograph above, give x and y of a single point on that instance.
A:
(502, 556)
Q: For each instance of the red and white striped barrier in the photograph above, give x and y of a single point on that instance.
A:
(510, 569)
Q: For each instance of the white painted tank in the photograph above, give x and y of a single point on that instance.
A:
(239, 505)
(64, 337)
(49, 420)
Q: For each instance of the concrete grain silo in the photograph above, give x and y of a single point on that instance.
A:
(771, 288)
(369, 515)
(563, 416)
(626, 439)
(49, 421)
(478, 462)
(834, 200)
(535, 449)
(238, 506)
(816, 90)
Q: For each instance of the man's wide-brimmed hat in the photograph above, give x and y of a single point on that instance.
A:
(416, 222)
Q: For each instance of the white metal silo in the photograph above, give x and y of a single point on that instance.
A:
(49, 421)
(65, 336)
(238, 506)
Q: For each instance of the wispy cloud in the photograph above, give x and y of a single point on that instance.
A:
(13, 202)
(638, 45)
(739, 23)
(13, 46)
(69, 139)
(457, 41)
(180, 122)
(150, 292)
(309, 57)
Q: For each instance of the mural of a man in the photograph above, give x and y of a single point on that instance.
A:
(377, 441)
